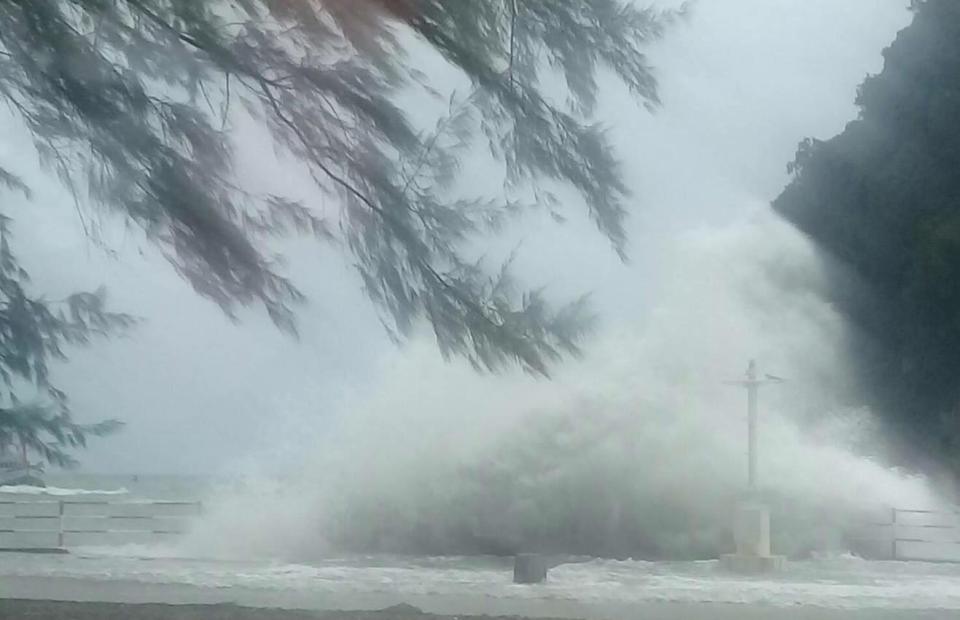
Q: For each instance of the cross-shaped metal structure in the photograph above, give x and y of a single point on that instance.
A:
(752, 382)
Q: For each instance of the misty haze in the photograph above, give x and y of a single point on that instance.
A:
(401, 309)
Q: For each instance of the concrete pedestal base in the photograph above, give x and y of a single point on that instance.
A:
(752, 564)
(751, 531)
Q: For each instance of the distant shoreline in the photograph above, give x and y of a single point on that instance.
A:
(61, 610)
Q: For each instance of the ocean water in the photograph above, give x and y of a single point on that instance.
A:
(119, 486)
(478, 583)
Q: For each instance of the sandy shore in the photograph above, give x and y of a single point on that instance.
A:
(59, 610)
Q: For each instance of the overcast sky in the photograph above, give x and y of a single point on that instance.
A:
(742, 82)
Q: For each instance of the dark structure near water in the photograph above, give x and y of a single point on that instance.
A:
(529, 568)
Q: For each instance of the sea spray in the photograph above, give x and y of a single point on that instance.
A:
(636, 451)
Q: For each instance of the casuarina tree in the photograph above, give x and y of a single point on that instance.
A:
(133, 103)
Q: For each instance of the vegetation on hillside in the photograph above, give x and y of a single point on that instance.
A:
(884, 198)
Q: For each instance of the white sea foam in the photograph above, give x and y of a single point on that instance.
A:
(636, 451)
(840, 583)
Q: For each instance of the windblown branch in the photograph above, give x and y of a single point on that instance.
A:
(129, 100)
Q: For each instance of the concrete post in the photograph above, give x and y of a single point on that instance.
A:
(893, 534)
(60, 525)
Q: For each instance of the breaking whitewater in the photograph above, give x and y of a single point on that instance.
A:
(638, 451)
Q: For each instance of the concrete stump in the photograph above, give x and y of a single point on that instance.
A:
(529, 568)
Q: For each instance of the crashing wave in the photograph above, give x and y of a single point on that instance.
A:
(639, 451)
